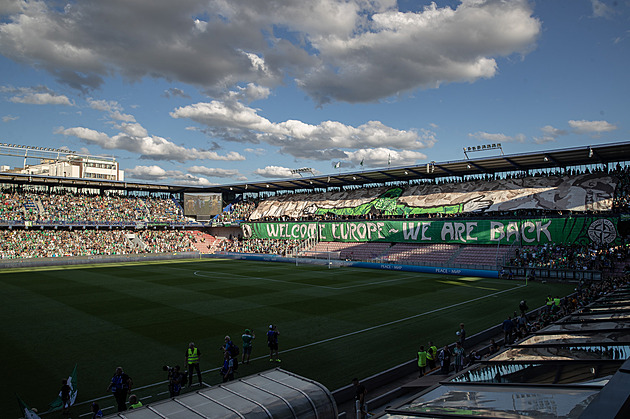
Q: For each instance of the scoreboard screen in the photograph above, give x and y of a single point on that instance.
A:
(204, 205)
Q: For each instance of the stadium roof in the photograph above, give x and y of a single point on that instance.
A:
(569, 157)
(588, 155)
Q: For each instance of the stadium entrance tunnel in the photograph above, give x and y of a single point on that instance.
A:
(274, 393)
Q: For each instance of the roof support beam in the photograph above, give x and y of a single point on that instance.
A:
(444, 169)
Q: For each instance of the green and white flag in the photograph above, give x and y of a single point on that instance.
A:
(72, 382)
(28, 413)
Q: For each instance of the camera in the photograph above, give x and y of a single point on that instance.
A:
(167, 368)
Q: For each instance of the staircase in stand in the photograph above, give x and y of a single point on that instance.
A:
(205, 243)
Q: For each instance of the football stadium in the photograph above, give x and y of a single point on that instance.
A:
(489, 287)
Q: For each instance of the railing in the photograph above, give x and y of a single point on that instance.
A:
(553, 273)
(303, 246)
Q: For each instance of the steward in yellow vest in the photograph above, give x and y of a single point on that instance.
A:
(192, 359)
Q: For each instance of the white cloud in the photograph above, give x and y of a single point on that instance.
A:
(554, 132)
(274, 172)
(229, 114)
(8, 7)
(9, 118)
(396, 52)
(133, 129)
(544, 139)
(256, 151)
(250, 93)
(149, 147)
(215, 172)
(382, 157)
(103, 105)
(550, 134)
(591, 127)
(174, 91)
(328, 140)
(156, 173)
(113, 109)
(42, 99)
(352, 50)
(153, 172)
(600, 9)
(497, 138)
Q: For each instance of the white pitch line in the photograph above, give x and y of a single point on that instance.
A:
(197, 273)
(400, 320)
(367, 329)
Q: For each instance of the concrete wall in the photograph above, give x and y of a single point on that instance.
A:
(87, 260)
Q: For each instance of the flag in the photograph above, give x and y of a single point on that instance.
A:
(72, 382)
(28, 413)
(337, 165)
(362, 162)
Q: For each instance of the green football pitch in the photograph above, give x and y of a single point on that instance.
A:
(335, 324)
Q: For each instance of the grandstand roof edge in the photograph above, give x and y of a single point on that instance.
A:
(559, 158)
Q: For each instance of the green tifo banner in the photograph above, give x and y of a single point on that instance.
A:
(579, 230)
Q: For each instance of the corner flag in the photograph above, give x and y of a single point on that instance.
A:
(72, 382)
(28, 413)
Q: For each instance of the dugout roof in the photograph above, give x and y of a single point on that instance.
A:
(271, 394)
(568, 157)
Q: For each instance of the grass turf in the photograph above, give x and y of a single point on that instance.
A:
(334, 324)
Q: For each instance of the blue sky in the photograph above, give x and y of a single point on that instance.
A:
(215, 92)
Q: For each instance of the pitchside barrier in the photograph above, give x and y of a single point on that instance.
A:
(381, 379)
(557, 274)
(369, 265)
(90, 260)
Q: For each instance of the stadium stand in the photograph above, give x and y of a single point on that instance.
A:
(63, 243)
(87, 209)
(41, 222)
(589, 191)
(260, 246)
(437, 254)
(351, 251)
(573, 191)
(204, 242)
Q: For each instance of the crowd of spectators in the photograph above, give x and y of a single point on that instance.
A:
(18, 243)
(559, 307)
(238, 211)
(167, 241)
(518, 327)
(11, 207)
(73, 208)
(572, 256)
(621, 198)
(260, 246)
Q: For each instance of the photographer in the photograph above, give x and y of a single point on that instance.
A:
(227, 371)
(175, 380)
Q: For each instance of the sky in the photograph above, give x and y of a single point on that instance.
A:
(206, 92)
